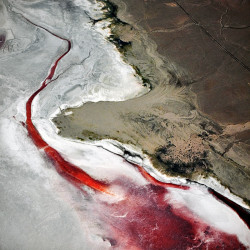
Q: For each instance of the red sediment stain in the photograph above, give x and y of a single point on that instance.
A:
(154, 181)
(144, 219)
(23, 124)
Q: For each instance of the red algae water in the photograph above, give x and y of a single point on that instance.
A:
(63, 167)
(144, 218)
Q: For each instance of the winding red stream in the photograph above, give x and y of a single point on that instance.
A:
(144, 219)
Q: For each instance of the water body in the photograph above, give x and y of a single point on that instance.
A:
(57, 193)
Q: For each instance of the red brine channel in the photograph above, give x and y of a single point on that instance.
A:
(63, 167)
(146, 219)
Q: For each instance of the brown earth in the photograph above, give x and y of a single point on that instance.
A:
(195, 54)
(210, 42)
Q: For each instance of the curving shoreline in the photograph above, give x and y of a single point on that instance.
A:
(42, 210)
(166, 122)
(79, 177)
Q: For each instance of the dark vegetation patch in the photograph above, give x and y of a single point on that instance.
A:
(177, 81)
(211, 128)
(2, 40)
(120, 45)
(90, 135)
(110, 12)
(145, 81)
(176, 167)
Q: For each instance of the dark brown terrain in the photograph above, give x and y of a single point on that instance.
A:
(195, 120)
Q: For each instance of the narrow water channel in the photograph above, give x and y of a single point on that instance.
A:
(143, 217)
(60, 193)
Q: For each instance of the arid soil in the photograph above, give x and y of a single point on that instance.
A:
(195, 119)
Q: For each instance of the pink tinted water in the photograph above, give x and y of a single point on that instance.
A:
(144, 219)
